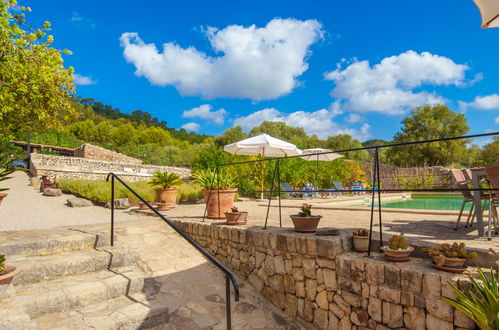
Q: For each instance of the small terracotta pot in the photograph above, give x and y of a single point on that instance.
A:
(164, 206)
(143, 206)
(236, 218)
(449, 262)
(306, 224)
(6, 277)
(397, 254)
(226, 201)
(166, 195)
(2, 196)
(360, 243)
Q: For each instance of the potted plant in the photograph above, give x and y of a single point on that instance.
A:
(398, 249)
(219, 192)
(304, 221)
(360, 240)
(450, 257)
(7, 273)
(236, 217)
(164, 206)
(166, 181)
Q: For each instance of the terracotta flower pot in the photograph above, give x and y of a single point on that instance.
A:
(236, 218)
(449, 262)
(360, 243)
(306, 224)
(166, 195)
(226, 201)
(164, 206)
(6, 277)
(395, 255)
(2, 196)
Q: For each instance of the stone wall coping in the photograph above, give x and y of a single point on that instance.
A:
(66, 170)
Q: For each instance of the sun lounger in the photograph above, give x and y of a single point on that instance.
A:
(287, 187)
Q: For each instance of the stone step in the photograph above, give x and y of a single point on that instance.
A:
(42, 268)
(50, 241)
(75, 291)
(118, 313)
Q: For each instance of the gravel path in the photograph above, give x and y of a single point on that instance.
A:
(26, 208)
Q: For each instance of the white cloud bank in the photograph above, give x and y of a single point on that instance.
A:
(191, 127)
(205, 112)
(488, 102)
(255, 63)
(318, 122)
(80, 80)
(389, 87)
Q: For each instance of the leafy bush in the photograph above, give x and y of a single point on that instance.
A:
(165, 180)
(190, 192)
(210, 179)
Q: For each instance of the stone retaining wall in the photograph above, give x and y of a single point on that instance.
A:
(89, 169)
(394, 177)
(90, 151)
(318, 282)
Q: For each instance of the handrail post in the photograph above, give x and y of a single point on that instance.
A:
(376, 154)
(112, 210)
(372, 201)
(227, 303)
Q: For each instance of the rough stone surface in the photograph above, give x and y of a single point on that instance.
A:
(52, 192)
(78, 202)
(120, 204)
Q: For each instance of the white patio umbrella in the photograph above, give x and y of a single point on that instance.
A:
(489, 10)
(264, 145)
(315, 155)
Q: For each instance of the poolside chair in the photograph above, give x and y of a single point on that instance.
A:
(313, 190)
(492, 173)
(357, 186)
(287, 187)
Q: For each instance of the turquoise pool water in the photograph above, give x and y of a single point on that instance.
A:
(429, 202)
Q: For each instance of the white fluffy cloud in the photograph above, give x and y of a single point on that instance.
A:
(353, 118)
(257, 63)
(80, 80)
(389, 87)
(204, 112)
(488, 102)
(191, 127)
(318, 122)
(497, 120)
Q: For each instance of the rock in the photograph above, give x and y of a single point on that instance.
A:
(439, 308)
(119, 204)
(300, 289)
(308, 311)
(414, 318)
(52, 192)
(333, 322)
(309, 268)
(391, 295)
(359, 317)
(374, 309)
(327, 232)
(393, 315)
(433, 322)
(78, 202)
(291, 305)
(320, 318)
(330, 279)
(321, 300)
(310, 289)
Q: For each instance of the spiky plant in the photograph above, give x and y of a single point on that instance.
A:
(454, 250)
(2, 262)
(361, 233)
(398, 242)
(210, 179)
(481, 303)
(165, 180)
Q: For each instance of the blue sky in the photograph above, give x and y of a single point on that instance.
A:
(328, 66)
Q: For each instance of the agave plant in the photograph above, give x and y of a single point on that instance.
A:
(481, 304)
(210, 179)
(165, 180)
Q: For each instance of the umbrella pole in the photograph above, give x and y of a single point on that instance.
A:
(317, 173)
(263, 173)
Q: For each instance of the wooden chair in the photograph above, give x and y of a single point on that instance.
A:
(492, 173)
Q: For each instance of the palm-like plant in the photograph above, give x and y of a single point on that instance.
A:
(481, 304)
(165, 180)
(210, 179)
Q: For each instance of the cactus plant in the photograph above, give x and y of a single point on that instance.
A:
(398, 242)
(454, 250)
(361, 233)
(2, 262)
(234, 209)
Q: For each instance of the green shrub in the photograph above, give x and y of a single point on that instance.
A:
(189, 192)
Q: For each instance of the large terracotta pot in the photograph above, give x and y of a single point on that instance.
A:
(360, 243)
(166, 195)
(236, 218)
(226, 201)
(2, 196)
(6, 277)
(306, 224)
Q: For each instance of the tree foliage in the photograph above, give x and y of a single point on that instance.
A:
(427, 123)
(35, 87)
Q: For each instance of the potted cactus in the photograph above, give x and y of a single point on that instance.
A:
(166, 193)
(397, 249)
(450, 257)
(360, 240)
(304, 221)
(7, 273)
(236, 217)
(219, 191)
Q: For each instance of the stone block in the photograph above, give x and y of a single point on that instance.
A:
(256, 237)
(342, 303)
(374, 291)
(300, 289)
(289, 284)
(281, 243)
(357, 269)
(82, 202)
(365, 289)
(52, 192)
(311, 243)
(328, 248)
(279, 265)
(439, 308)
(419, 301)
(301, 306)
(309, 268)
(268, 265)
(374, 309)
(308, 311)
(337, 310)
(411, 281)
(310, 289)
(351, 298)
(298, 274)
(344, 266)
(256, 282)
(291, 243)
(330, 280)
(390, 295)
(272, 240)
(327, 232)
(431, 284)
(462, 321)
(392, 276)
(291, 308)
(321, 300)
(393, 315)
(375, 273)
(414, 318)
(433, 322)
(320, 318)
(288, 266)
(345, 324)
(407, 299)
(301, 245)
(320, 276)
(447, 289)
(277, 283)
(326, 263)
(359, 317)
(333, 321)
(296, 260)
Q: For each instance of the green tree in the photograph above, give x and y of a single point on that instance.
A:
(36, 89)
(344, 142)
(490, 153)
(280, 130)
(426, 123)
(230, 135)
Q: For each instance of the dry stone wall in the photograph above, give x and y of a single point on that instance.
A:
(318, 282)
(90, 151)
(89, 169)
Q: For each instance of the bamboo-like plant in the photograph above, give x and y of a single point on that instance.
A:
(210, 179)
(481, 304)
(165, 180)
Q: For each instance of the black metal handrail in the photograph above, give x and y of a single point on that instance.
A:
(229, 277)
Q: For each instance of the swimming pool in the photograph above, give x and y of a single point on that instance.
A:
(429, 202)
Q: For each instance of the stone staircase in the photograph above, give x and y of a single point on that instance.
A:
(74, 281)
